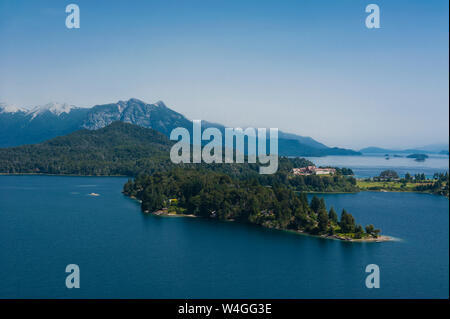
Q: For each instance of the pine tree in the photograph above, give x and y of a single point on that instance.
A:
(347, 222)
(315, 204)
(332, 215)
(323, 220)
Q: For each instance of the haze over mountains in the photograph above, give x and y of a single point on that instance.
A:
(20, 126)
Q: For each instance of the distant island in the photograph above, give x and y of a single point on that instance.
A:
(428, 149)
(418, 157)
(218, 196)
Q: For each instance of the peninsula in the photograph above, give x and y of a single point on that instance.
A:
(201, 193)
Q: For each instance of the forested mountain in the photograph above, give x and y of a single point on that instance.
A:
(20, 126)
(118, 149)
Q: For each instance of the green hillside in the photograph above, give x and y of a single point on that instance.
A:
(118, 149)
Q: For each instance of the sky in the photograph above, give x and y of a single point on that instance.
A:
(307, 67)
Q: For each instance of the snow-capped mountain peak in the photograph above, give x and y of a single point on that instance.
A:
(53, 107)
(6, 108)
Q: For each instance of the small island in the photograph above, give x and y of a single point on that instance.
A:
(418, 157)
(200, 193)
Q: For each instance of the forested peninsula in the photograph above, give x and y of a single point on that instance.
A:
(216, 195)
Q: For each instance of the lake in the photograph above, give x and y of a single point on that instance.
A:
(48, 222)
(370, 165)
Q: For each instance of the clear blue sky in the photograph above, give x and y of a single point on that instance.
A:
(306, 67)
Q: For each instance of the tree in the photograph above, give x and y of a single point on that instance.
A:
(322, 205)
(332, 215)
(347, 222)
(315, 204)
(388, 174)
(408, 177)
(359, 231)
(370, 229)
(322, 218)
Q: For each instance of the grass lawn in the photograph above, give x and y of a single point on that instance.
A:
(389, 186)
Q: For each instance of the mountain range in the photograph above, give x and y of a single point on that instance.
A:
(20, 125)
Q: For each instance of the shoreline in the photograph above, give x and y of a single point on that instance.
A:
(162, 213)
(379, 239)
(398, 191)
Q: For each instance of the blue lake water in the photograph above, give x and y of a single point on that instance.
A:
(372, 165)
(48, 222)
